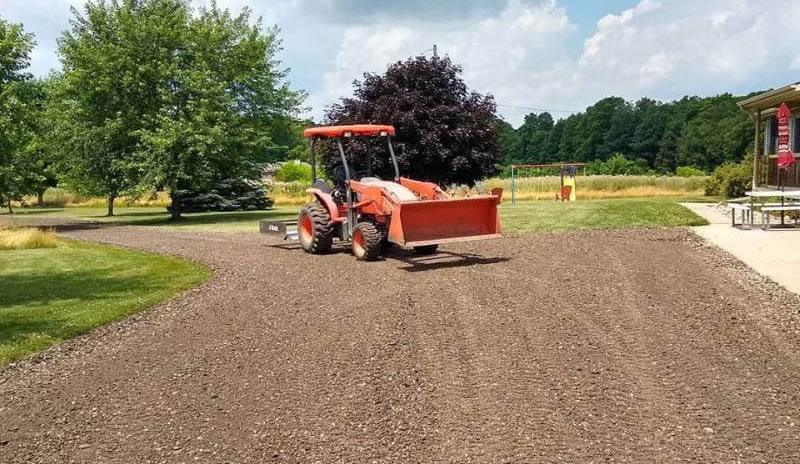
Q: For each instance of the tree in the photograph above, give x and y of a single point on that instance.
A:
(655, 136)
(226, 92)
(112, 57)
(169, 97)
(39, 156)
(510, 144)
(445, 133)
(534, 136)
(17, 173)
(717, 134)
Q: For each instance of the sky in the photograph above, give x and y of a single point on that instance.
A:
(557, 55)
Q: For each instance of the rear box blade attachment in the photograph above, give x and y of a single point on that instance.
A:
(285, 229)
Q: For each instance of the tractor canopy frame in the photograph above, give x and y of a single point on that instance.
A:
(347, 131)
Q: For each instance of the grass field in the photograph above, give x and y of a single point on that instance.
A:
(551, 216)
(52, 294)
(526, 216)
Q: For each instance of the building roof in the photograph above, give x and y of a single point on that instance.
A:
(771, 99)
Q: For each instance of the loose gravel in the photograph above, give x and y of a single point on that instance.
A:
(605, 346)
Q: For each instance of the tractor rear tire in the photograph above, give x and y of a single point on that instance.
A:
(315, 229)
(426, 250)
(366, 241)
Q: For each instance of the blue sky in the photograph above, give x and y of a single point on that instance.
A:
(552, 54)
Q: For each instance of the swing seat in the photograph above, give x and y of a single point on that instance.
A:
(566, 191)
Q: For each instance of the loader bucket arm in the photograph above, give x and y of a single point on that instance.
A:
(431, 222)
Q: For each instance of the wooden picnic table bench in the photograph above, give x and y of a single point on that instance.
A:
(783, 194)
(746, 210)
(765, 210)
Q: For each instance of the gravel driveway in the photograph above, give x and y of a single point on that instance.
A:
(621, 346)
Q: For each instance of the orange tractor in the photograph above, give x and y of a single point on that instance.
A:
(370, 212)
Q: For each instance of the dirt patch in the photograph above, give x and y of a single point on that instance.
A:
(621, 346)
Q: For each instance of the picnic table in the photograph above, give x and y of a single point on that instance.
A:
(768, 208)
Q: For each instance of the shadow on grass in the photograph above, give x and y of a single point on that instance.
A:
(48, 287)
(61, 305)
(30, 211)
(76, 226)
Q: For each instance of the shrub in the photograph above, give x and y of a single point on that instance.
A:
(689, 171)
(731, 180)
(618, 165)
(294, 171)
(229, 195)
(26, 238)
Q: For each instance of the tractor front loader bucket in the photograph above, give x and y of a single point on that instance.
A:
(431, 222)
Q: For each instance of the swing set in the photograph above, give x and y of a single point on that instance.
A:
(567, 172)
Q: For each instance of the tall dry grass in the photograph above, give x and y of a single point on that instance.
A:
(544, 188)
(528, 188)
(64, 198)
(594, 187)
(289, 193)
(26, 238)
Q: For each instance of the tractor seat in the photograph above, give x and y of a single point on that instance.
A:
(323, 186)
(397, 191)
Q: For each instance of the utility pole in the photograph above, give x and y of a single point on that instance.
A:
(435, 55)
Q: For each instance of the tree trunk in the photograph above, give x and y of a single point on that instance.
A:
(10, 209)
(40, 199)
(111, 199)
(175, 206)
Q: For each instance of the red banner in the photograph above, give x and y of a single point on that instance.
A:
(785, 155)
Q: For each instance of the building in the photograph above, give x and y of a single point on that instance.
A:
(763, 108)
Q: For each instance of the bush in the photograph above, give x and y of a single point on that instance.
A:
(731, 180)
(229, 195)
(618, 165)
(689, 171)
(294, 171)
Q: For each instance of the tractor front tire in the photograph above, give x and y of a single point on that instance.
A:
(366, 241)
(426, 250)
(315, 229)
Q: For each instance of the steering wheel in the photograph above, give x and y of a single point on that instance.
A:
(358, 175)
(339, 177)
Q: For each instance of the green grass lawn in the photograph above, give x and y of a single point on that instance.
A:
(50, 295)
(551, 216)
(525, 216)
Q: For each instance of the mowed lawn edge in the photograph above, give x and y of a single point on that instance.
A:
(524, 217)
(51, 295)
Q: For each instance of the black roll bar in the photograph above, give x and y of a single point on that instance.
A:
(313, 161)
(394, 159)
(351, 216)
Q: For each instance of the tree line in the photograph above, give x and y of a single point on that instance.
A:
(152, 95)
(702, 133)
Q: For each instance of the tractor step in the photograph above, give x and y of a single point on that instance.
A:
(286, 229)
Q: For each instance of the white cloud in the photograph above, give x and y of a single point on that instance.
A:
(679, 47)
(658, 49)
(498, 53)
